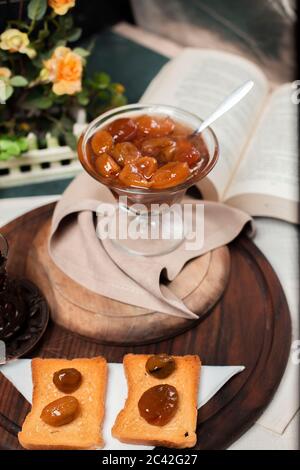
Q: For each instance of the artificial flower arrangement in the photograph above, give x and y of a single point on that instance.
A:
(43, 81)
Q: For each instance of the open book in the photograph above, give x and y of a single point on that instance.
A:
(257, 169)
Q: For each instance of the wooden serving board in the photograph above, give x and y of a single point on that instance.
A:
(250, 325)
(200, 284)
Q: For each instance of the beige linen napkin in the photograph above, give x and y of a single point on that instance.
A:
(107, 270)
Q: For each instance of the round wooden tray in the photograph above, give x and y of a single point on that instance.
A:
(250, 325)
(200, 284)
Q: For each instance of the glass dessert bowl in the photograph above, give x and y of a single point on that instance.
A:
(148, 157)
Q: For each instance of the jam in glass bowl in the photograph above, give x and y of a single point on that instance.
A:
(148, 157)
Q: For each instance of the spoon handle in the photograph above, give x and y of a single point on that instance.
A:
(227, 104)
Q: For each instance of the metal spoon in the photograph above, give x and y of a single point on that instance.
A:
(227, 104)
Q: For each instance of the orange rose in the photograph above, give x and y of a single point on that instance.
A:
(5, 72)
(61, 7)
(64, 70)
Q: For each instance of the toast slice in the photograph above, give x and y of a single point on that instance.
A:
(131, 428)
(85, 431)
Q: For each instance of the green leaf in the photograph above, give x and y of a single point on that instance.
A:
(37, 62)
(10, 147)
(66, 21)
(8, 91)
(36, 9)
(70, 139)
(82, 52)
(2, 91)
(61, 42)
(83, 99)
(67, 123)
(55, 131)
(41, 102)
(19, 24)
(118, 100)
(23, 144)
(101, 80)
(43, 33)
(74, 35)
(18, 80)
(104, 95)
(4, 155)
(91, 45)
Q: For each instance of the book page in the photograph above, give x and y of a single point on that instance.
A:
(270, 164)
(279, 242)
(198, 80)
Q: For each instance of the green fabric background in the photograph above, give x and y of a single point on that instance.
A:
(127, 62)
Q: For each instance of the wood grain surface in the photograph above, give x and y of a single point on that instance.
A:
(250, 325)
(200, 284)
